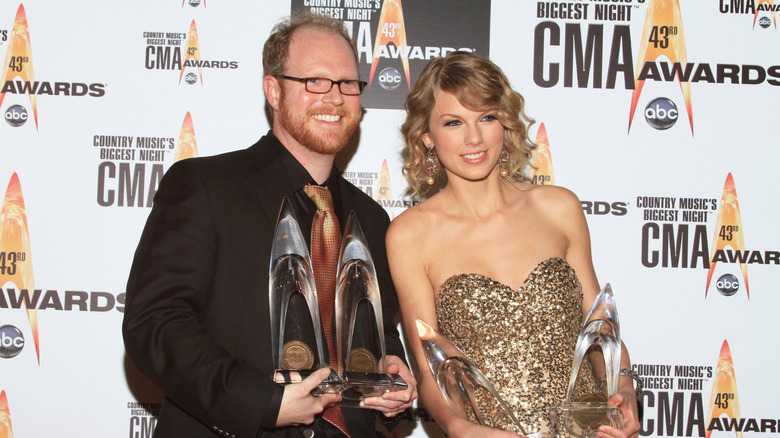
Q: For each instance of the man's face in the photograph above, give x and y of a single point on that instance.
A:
(322, 123)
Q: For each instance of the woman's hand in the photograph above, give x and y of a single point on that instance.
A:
(626, 403)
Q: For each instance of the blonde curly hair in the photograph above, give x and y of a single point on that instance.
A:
(479, 85)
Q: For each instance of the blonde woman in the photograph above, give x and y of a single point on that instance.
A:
(501, 267)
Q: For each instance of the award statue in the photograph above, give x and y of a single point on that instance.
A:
(295, 315)
(358, 302)
(459, 379)
(296, 329)
(600, 334)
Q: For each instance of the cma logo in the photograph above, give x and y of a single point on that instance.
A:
(727, 285)
(661, 113)
(601, 208)
(11, 341)
(389, 78)
(16, 115)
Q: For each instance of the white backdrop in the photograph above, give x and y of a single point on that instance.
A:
(659, 199)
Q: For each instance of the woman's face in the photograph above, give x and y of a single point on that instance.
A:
(468, 142)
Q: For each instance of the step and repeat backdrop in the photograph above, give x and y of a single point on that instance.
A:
(660, 114)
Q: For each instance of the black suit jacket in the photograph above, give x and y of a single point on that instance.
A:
(196, 319)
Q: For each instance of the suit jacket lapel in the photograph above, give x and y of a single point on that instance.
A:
(268, 178)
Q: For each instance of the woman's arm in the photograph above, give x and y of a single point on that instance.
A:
(578, 255)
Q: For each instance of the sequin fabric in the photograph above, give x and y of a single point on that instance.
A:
(523, 341)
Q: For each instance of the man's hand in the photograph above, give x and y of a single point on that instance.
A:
(393, 403)
(299, 406)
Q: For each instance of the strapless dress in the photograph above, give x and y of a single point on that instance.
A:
(522, 340)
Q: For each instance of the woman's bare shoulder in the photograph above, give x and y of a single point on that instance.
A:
(553, 197)
(411, 224)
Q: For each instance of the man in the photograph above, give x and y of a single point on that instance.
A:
(197, 319)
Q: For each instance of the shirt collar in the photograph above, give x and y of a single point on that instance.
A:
(298, 176)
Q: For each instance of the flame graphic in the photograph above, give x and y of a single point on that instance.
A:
(187, 147)
(542, 158)
(662, 14)
(728, 230)
(6, 431)
(383, 189)
(769, 2)
(724, 398)
(391, 29)
(15, 243)
(192, 50)
(19, 54)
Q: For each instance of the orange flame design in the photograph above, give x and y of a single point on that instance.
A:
(15, 239)
(187, 146)
(391, 29)
(769, 2)
(662, 14)
(19, 54)
(728, 230)
(542, 158)
(724, 398)
(192, 50)
(383, 189)
(6, 431)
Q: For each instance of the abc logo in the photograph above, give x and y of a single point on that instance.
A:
(11, 341)
(389, 78)
(194, 3)
(764, 22)
(16, 115)
(661, 113)
(727, 285)
(190, 78)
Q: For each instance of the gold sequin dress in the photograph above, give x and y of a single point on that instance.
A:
(523, 341)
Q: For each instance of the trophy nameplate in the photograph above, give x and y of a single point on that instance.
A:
(297, 355)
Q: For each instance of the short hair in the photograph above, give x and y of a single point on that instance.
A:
(479, 85)
(276, 50)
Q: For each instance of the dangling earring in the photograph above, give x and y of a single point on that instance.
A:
(431, 168)
(503, 163)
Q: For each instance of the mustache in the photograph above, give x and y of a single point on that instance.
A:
(336, 111)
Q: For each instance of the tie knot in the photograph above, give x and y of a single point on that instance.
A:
(321, 197)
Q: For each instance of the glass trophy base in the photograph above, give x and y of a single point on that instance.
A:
(358, 386)
(352, 386)
(582, 419)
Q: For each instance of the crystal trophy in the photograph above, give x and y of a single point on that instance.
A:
(600, 335)
(293, 305)
(459, 379)
(358, 302)
(292, 302)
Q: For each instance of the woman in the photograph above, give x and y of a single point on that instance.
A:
(502, 267)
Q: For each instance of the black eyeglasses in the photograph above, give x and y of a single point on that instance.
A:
(348, 87)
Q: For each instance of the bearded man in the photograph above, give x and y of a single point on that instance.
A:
(197, 318)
